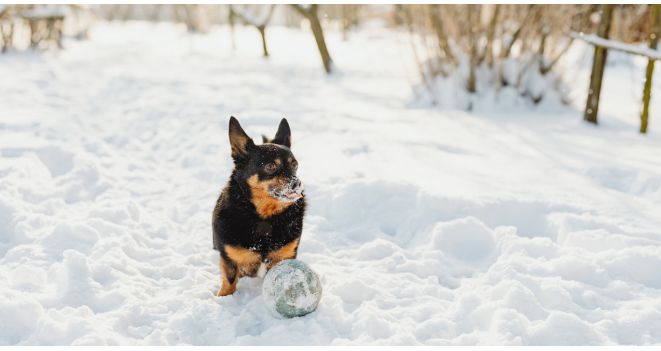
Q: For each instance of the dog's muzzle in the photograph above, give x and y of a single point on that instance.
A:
(290, 191)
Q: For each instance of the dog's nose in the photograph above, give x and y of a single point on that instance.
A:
(296, 183)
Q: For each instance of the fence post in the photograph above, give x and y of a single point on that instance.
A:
(598, 64)
(655, 31)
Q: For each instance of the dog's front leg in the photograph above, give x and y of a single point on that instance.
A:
(230, 277)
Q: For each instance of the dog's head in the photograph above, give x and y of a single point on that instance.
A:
(269, 169)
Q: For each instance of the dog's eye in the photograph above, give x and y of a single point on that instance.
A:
(270, 168)
(294, 165)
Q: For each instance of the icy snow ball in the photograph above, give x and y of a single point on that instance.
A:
(291, 289)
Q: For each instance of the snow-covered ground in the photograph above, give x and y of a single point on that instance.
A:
(508, 225)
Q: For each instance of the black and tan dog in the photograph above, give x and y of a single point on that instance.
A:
(258, 218)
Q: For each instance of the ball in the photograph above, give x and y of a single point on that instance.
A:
(291, 289)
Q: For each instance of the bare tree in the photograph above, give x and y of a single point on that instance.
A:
(491, 34)
(513, 45)
(441, 36)
(350, 17)
(193, 16)
(528, 14)
(45, 23)
(230, 20)
(259, 23)
(310, 13)
(473, 13)
(6, 27)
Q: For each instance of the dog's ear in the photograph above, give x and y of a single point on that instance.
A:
(283, 136)
(239, 141)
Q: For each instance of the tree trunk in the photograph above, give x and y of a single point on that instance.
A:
(260, 25)
(349, 19)
(506, 53)
(491, 33)
(318, 32)
(598, 65)
(655, 31)
(262, 32)
(34, 33)
(441, 37)
(7, 36)
(473, 16)
(230, 18)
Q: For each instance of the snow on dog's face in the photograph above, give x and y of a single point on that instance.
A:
(269, 170)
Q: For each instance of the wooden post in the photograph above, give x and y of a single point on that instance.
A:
(655, 31)
(598, 65)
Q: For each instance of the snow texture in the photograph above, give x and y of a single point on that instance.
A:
(510, 224)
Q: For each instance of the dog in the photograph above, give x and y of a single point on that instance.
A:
(258, 218)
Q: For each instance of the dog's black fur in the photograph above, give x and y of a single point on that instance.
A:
(253, 223)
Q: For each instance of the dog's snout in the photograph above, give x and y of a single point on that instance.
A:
(296, 183)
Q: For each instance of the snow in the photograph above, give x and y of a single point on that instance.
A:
(510, 224)
(617, 45)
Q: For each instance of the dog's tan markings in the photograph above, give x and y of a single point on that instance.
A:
(265, 204)
(284, 253)
(226, 288)
(242, 257)
(249, 270)
(278, 161)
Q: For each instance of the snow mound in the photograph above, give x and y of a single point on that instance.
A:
(466, 239)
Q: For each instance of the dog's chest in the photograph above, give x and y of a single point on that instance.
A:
(265, 236)
(263, 229)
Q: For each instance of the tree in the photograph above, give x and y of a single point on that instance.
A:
(193, 16)
(6, 27)
(260, 24)
(350, 17)
(310, 13)
(441, 36)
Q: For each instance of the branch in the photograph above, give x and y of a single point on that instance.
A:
(491, 33)
(441, 37)
(545, 69)
(304, 11)
(616, 45)
(251, 20)
(516, 34)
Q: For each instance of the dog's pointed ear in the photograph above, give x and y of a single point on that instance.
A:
(283, 136)
(239, 141)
